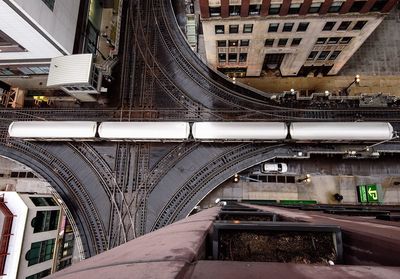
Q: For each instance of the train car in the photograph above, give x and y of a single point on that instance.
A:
(239, 131)
(53, 130)
(341, 131)
(145, 131)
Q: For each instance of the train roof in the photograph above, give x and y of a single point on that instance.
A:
(341, 131)
(144, 130)
(239, 130)
(53, 129)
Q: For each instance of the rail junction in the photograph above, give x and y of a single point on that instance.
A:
(118, 191)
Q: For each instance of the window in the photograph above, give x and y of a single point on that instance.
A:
(215, 11)
(323, 55)
(378, 6)
(329, 26)
(40, 275)
(282, 42)
(334, 55)
(45, 221)
(273, 27)
(233, 29)
(274, 9)
(233, 43)
(269, 42)
(244, 42)
(359, 25)
(40, 252)
(221, 43)
(321, 41)
(222, 57)
(344, 25)
(234, 10)
(287, 27)
(335, 7)
(247, 28)
(43, 201)
(296, 41)
(312, 55)
(242, 57)
(314, 8)
(254, 9)
(345, 40)
(333, 40)
(219, 29)
(49, 3)
(294, 8)
(232, 57)
(302, 26)
(357, 6)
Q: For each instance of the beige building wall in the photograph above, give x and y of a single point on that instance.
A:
(295, 56)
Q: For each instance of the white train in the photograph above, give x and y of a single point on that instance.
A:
(202, 131)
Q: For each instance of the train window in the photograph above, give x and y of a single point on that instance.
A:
(14, 174)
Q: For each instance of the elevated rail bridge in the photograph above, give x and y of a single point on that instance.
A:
(117, 191)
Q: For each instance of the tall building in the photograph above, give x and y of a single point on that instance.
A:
(34, 31)
(298, 37)
(29, 235)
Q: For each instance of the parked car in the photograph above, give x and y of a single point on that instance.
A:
(274, 167)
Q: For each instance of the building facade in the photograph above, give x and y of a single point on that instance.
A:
(34, 31)
(296, 37)
(31, 246)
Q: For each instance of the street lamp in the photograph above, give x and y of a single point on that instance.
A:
(355, 81)
(306, 179)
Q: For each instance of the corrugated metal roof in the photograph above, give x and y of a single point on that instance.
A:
(71, 69)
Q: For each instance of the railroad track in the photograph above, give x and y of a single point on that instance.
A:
(78, 194)
(203, 176)
(113, 191)
(166, 163)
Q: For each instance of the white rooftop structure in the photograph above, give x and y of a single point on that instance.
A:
(71, 69)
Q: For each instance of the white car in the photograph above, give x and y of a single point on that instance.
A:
(274, 167)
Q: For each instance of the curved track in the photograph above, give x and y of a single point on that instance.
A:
(161, 79)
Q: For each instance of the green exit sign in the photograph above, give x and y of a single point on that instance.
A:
(372, 193)
(368, 193)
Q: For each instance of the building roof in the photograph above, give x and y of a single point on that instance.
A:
(69, 70)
